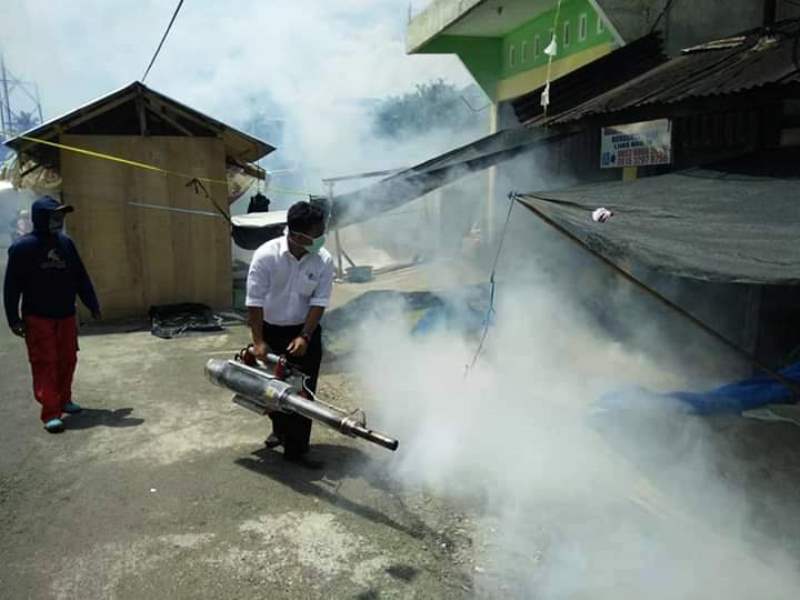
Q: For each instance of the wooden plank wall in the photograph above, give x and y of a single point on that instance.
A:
(136, 256)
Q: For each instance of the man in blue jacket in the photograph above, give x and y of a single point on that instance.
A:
(45, 270)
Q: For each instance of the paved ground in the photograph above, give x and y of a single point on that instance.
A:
(162, 488)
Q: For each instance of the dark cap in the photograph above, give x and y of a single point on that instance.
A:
(46, 203)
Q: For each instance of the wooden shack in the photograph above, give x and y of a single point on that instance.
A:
(147, 237)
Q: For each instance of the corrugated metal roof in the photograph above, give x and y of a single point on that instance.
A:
(409, 184)
(760, 58)
(589, 81)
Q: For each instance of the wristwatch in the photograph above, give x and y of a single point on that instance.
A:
(306, 337)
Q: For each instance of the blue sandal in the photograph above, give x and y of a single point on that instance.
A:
(71, 408)
(54, 426)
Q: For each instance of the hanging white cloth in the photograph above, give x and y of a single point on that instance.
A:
(552, 47)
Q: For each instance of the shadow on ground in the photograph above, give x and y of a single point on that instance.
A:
(404, 573)
(340, 463)
(101, 417)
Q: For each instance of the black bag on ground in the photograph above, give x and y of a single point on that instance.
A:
(171, 320)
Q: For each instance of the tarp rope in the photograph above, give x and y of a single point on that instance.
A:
(487, 321)
(551, 51)
(788, 384)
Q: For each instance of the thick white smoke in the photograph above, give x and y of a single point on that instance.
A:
(573, 499)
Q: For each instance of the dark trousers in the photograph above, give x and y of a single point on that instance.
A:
(294, 430)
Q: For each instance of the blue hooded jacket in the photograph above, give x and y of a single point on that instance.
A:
(45, 269)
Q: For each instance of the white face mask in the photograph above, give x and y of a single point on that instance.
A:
(315, 244)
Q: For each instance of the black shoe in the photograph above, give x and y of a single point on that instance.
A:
(304, 461)
(273, 441)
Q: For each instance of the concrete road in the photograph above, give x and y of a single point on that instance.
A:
(162, 489)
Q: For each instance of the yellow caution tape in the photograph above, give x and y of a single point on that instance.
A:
(123, 161)
(141, 165)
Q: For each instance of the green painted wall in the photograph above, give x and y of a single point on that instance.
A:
(483, 57)
(491, 60)
(520, 52)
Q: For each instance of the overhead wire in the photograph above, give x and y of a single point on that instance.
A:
(661, 15)
(487, 321)
(163, 39)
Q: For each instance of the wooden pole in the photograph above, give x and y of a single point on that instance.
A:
(770, 12)
(339, 270)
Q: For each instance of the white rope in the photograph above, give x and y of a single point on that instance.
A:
(551, 51)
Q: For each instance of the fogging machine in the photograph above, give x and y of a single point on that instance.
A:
(277, 385)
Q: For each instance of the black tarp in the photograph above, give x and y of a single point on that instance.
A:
(407, 185)
(713, 225)
(172, 320)
(253, 229)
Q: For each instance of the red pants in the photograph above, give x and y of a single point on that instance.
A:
(53, 354)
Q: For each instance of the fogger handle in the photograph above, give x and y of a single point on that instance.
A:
(275, 361)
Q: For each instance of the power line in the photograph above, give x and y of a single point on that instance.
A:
(163, 39)
(661, 15)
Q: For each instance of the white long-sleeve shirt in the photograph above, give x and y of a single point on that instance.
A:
(284, 287)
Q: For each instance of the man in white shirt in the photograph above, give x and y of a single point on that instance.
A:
(288, 287)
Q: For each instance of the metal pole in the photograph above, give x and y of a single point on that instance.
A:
(339, 270)
(38, 103)
(2, 102)
(3, 75)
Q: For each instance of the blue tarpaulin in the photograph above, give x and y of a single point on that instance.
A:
(732, 398)
(743, 395)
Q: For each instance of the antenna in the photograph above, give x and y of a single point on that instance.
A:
(20, 105)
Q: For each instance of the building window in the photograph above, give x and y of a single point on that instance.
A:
(512, 56)
(583, 28)
(601, 27)
(565, 38)
(537, 46)
(524, 52)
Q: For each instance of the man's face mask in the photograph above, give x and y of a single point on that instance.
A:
(56, 222)
(312, 245)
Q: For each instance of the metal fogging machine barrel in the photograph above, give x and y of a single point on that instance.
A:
(280, 387)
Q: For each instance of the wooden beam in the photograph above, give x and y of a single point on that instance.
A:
(171, 121)
(140, 111)
(251, 170)
(165, 109)
(97, 111)
(57, 129)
